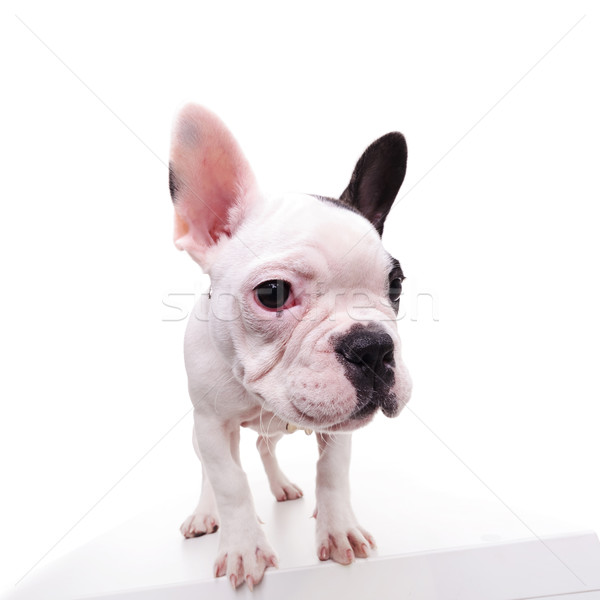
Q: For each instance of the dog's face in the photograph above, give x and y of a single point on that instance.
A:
(304, 295)
(305, 298)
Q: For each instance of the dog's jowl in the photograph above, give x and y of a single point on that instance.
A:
(298, 332)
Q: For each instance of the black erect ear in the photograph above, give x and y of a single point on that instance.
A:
(377, 177)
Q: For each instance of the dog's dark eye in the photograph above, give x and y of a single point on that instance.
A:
(395, 289)
(272, 294)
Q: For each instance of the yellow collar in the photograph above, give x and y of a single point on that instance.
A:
(291, 428)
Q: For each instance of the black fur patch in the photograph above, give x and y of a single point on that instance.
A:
(396, 273)
(173, 183)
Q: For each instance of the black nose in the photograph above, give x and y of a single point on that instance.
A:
(371, 350)
(367, 353)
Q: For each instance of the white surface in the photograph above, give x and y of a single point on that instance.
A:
(425, 554)
(500, 227)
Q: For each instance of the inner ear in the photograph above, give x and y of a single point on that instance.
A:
(210, 180)
(377, 177)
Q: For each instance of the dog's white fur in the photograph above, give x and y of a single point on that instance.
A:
(266, 369)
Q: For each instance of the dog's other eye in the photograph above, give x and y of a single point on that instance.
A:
(272, 294)
(395, 289)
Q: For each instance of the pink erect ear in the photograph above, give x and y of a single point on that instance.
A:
(210, 181)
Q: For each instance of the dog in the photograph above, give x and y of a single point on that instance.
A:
(298, 331)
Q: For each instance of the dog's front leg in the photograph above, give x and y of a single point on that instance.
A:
(339, 536)
(244, 552)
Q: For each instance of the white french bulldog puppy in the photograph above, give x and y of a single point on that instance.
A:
(297, 332)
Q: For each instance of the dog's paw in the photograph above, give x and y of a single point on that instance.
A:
(198, 524)
(283, 489)
(343, 542)
(245, 563)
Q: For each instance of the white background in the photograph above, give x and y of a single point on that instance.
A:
(497, 230)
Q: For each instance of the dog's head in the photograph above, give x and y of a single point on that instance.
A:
(304, 295)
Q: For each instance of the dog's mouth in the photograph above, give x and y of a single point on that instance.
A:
(356, 421)
(335, 414)
(366, 410)
(361, 416)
